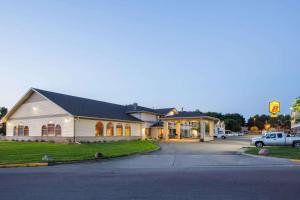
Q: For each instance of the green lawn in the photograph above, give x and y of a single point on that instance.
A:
(26, 152)
(278, 151)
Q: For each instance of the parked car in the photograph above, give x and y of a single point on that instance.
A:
(235, 133)
(276, 139)
(241, 134)
(228, 133)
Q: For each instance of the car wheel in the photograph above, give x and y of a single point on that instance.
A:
(223, 137)
(297, 144)
(259, 144)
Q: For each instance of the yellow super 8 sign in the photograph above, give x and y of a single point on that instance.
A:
(274, 107)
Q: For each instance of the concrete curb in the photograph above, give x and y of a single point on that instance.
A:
(242, 152)
(24, 165)
(73, 162)
(294, 160)
(104, 158)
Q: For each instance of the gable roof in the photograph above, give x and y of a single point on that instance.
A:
(137, 108)
(83, 107)
(186, 114)
(164, 111)
(158, 124)
(189, 114)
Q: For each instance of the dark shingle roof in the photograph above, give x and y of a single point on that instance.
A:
(163, 111)
(186, 114)
(132, 108)
(79, 106)
(158, 124)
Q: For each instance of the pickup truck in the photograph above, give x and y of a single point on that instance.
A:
(276, 139)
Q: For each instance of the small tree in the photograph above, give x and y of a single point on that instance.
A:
(3, 112)
(232, 125)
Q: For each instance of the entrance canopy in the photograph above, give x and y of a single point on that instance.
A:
(190, 121)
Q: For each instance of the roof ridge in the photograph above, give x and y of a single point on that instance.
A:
(78, 97)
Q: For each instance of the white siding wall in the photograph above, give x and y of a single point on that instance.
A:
(86, 127)
(35, 125)
(148, 117)
(38, 111)
(37, 105)
(149, 120)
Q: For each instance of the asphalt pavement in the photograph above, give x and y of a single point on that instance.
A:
(180, 170)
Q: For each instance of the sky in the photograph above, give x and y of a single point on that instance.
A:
(221, 56)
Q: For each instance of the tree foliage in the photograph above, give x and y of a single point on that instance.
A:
(296, 105)
(279, 122)
(233, 121)
(3, 112)
(233, 125)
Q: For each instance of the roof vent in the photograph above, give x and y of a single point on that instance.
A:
(135, 105)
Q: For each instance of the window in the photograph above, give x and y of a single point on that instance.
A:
(110, 129)
(15, 131)
(127, 130)
(119, 130)
(272, 136)
(99, 129)
(44, 130)
(58, 130)
(279, 135)
(20, 130)
(26, 131)
(51, 129)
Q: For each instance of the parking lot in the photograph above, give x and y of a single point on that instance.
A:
(180, 170)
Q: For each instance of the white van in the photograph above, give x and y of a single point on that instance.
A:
(220, 133)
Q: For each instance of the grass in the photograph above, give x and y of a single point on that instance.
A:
(278, 151)
(27, 152)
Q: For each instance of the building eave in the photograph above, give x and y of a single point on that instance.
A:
(107, 119)
(189, 118)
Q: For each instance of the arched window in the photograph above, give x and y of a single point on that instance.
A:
(44, 130)
(119, 130)
(127, 130)
(15, 131)
(51, 129)
(110, 129)
(26, 131)
(99, 129)
(57, 130)
(20, 130)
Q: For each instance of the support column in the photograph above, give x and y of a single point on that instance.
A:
(123, 129)
(178, 129)
(115, 129)
(202, 131)
(166, 131)
(104, 128)
(211, 128)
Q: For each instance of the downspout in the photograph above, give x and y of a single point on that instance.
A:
(74, 129)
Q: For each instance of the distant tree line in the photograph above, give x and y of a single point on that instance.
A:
(265, 122)
(3, 112)
(233, 121)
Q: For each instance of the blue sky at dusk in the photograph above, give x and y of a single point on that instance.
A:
(223, 56)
